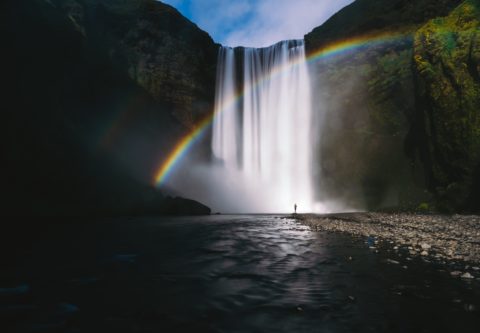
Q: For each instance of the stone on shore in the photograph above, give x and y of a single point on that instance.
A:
(444, 239)
(467, 276)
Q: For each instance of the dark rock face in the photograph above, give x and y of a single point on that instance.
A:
(82, 133)
(181, 206)
(367, 16)
(166, 54)
(375, 106)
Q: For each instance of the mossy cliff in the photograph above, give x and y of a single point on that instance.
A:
(447, 122)
(399, 115)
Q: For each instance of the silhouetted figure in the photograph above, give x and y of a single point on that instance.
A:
(295, 208)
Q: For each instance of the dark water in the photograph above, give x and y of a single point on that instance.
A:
(223, 274)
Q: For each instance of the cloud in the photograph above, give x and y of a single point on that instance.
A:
(276, 20)
(258, 23)
(221, 18)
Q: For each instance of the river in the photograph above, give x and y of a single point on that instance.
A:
(220, 273)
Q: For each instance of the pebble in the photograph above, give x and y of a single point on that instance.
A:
(125, 258)
(452, 237)
(390, 261)
(425, 246)
(469, 307)
(19, 290)
(467, 275)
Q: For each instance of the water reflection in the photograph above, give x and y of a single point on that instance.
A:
(226, 274)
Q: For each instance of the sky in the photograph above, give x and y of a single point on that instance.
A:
(257, 23)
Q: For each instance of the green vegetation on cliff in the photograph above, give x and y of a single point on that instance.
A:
(401, 116)
(447, 68)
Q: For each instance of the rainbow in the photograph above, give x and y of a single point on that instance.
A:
(181, 149)
(329, 51)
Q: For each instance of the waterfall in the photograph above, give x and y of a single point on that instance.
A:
(261, 131)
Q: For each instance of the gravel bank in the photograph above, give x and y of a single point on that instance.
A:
(450, 240)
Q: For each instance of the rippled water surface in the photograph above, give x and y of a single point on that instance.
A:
(224, 274)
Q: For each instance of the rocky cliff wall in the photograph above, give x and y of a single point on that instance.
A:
(447, 118)
(96, 94)
(378, 105)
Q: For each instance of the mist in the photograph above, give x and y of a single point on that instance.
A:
(265, 148)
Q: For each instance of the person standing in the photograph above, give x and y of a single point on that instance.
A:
(295, 208)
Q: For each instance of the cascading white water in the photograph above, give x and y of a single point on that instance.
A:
(225, 127)
(261, 130)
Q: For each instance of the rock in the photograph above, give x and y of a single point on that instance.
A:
(182, 206)
(146, 54)
(467, 276)
(125, 258)
(15, 291)
(452, 235)
(66, 309)
(390, 261)
(469, 307)
(425, 246)
(455, 273)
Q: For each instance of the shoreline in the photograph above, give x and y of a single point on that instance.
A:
(451, 241)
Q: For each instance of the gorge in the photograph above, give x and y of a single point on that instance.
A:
(123, 122)
(122, 83)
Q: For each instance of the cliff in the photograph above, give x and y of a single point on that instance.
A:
(381, 109)
(447, 122)
(162, 51)
(98, 91)
(96, 94)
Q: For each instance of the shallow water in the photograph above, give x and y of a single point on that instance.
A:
(224, 274)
